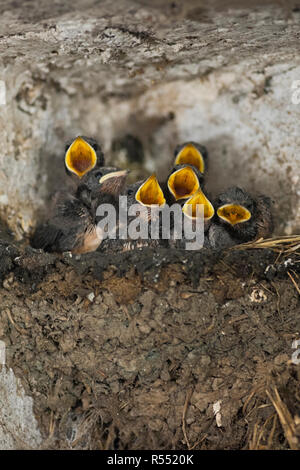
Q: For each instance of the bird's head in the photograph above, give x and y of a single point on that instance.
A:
(102, 181)
(192, 153)
(234, 207)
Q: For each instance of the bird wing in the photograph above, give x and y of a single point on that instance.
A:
(65, 230)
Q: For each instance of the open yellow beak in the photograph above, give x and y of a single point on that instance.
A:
(183, 183)
(150, 193)
(190, 207)
(234, 213)
(80, 157)
(190, 155)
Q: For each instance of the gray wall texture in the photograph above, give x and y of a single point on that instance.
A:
(163, 71)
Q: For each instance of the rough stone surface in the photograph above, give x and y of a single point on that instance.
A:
(162, 71)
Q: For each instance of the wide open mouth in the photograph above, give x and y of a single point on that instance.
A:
(80, 157)
(183, 183)
(190, 207)
(150, 193)
(234, 213)
(191, 155)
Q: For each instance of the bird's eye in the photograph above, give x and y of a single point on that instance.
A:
(95, 146)
(98, 174)
(130, 192)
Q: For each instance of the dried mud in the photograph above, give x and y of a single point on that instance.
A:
(132, 351)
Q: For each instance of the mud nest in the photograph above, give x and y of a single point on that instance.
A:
(140, 350)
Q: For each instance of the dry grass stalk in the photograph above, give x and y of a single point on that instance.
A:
(287, 422)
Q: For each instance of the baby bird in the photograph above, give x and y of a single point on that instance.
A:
(183, 181)
(192, 153)
(149, 198)
(184, 185)
(147, 193)
(74, 226)
(190, 208)
(240, 218)
(6, 235)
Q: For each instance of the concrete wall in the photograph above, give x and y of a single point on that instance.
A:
(163, 73)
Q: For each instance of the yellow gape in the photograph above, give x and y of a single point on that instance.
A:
(191, 156)
(234, 213)
(150, 193)
(80, 157)
(190, 207)
(183, 183)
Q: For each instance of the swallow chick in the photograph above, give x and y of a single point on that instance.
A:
(149, 196)
(190, 210)
(147, 193)
(74, 225)
(183, 182)
(184, 185)
(6, 235)
(240, 218)
(192, 153)
(82, 155)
